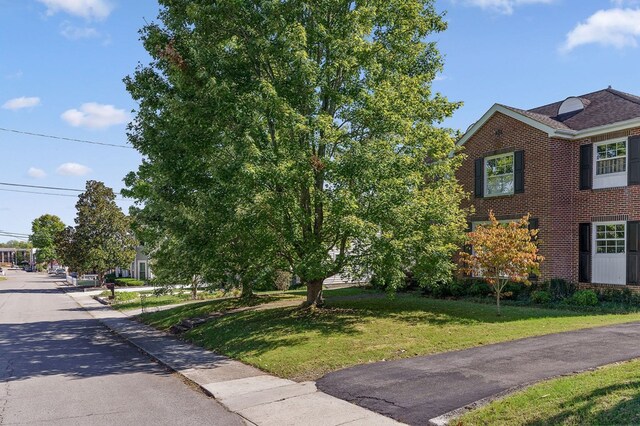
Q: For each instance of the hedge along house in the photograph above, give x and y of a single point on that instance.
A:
(574, 165)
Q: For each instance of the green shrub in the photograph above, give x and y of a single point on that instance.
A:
(541, 297)
(129, 282)
(560, 288)
(110, 278)
(450, 288)
(479, 288)
(584, 298)
(616, 295)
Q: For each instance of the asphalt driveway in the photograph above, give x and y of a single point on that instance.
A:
(416, 390)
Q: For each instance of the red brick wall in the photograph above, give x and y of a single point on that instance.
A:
(551, 194)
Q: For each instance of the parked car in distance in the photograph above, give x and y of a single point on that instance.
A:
(61, 271)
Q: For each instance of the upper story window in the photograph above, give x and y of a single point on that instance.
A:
(611, 157)
(609, 167)
(498, 175)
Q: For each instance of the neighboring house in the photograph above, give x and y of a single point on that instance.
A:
(139, 269)
(575, 166)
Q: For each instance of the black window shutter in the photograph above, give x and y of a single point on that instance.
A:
(479, 182)
(633, 253)
(586, 166)
(533, 224)
(633, 149)
(584, 250)
(518, 172)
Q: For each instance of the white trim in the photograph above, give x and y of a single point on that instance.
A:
(608, 128)
(608, 268)
(551, 132)
(508, 112)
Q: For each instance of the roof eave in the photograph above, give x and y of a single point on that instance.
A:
(607, 128)
(510, 113)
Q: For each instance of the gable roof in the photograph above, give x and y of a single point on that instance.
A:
(601, 111)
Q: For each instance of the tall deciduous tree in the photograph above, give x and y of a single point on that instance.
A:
(102, 238)
(303, 133)
(502, 253)
(44, 230)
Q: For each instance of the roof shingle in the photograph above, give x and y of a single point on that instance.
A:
(603, 107)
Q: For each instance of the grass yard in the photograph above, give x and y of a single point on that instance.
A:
(304, 344)
(607, 396)
(131, 300)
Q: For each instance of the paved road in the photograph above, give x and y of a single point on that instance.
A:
(58, 365)
(416, 390)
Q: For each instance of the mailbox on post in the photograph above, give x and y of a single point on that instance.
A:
(112, 287)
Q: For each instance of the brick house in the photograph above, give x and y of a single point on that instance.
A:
(575, 166)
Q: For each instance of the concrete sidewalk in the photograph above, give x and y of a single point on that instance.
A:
(261, 399)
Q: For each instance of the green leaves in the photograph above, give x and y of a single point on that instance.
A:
(102, 238)
(300, 134)
(44, 230)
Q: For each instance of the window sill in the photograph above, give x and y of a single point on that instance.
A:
(493, 197)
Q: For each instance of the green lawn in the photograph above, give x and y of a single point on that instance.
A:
(303, 344)
(3, 278)
(131, 299)
(607, 396)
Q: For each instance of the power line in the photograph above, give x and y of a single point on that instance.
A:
(65, 138)
(55, 188)
(14, 233)
(37, 192)
(41, 187)
(13, 236)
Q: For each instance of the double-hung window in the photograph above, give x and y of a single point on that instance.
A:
(610, 238)
(611, 157)
(498, 175)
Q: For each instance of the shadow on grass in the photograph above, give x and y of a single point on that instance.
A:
(585, 408)
(257, 332)
(416, 310)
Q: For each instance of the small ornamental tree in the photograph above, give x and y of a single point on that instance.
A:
(502, 252)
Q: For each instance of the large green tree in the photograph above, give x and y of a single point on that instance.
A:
(44, 230)
(102, 238)
(305, 132)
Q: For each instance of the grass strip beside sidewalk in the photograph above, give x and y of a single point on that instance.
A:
(304, 344)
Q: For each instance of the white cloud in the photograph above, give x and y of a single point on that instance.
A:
(22, 102)
(504, 6)
(618, 28)
(88, 9)
(36, 173)
(72, 169)
(74, 33)
(95, 116)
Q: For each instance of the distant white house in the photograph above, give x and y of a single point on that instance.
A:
(139, 268)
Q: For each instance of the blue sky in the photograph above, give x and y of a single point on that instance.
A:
(63, 62)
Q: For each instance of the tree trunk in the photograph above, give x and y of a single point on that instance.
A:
(194, 288)
(100, 279)
(247, 290)
(498, 301)
(314, 293)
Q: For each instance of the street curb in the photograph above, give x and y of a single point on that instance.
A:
(160, 361)
(353, 414)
